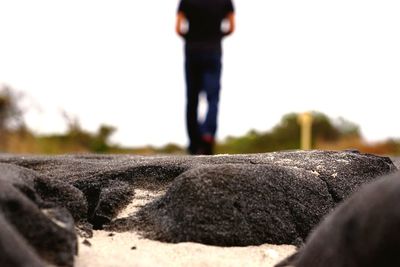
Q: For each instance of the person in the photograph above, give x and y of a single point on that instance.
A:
(203, 24)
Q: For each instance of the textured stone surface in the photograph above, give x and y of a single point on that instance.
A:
(14, 251)
(363, 231)
(230, 205)
(396, 161)
(221, 200)
(46, 229)
(272, 198)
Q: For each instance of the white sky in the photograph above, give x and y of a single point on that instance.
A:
(119, 62)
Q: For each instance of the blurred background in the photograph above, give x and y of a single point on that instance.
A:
(107, 76)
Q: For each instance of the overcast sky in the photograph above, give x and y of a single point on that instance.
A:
(119, 62)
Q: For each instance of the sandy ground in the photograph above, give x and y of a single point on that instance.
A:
(128, 249)
(106, 249)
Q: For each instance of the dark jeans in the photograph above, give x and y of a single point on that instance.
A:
(203, 73)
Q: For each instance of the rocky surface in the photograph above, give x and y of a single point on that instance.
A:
(396, 162)
(362, 231)
(275, 199)
(221, 200)
(30, 222)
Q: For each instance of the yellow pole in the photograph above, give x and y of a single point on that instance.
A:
(305, 120)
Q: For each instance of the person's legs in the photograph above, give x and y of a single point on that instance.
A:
(193, 88)
(212, 85)
(211, 75)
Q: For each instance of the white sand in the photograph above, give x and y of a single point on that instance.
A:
(129, 249)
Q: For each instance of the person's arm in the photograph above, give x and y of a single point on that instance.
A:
(231, 22)
(180, 19)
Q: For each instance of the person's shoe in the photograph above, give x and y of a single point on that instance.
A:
(207, 144)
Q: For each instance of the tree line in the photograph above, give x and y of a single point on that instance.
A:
(327, 133)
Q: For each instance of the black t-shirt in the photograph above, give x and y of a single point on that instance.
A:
(205, 17)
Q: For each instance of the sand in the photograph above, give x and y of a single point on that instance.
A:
(109, 249)
(128, 249)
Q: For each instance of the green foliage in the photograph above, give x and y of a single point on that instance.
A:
(11, 119)
(94, 142)
(78, 140)
(10, 113)
(171, 149)
(326, 133)
(286, 135)
(100, 141)
(322, 128)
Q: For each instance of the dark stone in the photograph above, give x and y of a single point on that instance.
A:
(108, 201)
(225, 200)
(14, 250)
(21, 179)
(87, 243)
(84, 230)
(63, 195)
(230, 205)
(48, 230)
(277, 200)
(362, 231)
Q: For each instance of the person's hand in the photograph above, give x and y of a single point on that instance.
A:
(231, 24)
(180, 19)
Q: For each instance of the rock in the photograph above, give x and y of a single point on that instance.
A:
(87, 243)
(108, 202)
(14, 251)
(222, 200)
(21, 179)
(95, 187)
(64, 195)
(48, 230)
(396, 161)
(231, 205)
(274, 198)
(362, 231)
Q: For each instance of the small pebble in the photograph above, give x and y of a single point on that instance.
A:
(87, 243)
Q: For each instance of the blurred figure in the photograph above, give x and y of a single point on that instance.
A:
(203, 24)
